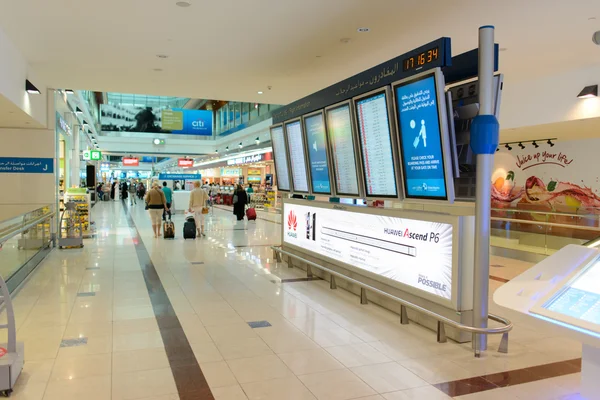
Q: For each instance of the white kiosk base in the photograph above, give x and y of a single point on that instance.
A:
(590, 372)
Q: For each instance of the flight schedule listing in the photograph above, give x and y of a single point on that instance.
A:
(421, 139)
(317, 153)
(297, 161)
(376, 146)
(283, 176)
(342, 146)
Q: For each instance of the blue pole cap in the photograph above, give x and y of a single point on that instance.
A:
(485, 134)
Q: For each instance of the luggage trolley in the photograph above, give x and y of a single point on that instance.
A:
(12, 353)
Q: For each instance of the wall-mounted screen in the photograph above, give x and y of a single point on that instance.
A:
(314, 129)
(412, 252)
(377, 148)
(340, 136)
(422, 134)
(295, 143)
(281, 158)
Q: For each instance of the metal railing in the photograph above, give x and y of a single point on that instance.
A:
(404, 304)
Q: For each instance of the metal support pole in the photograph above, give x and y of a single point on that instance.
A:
(289, 262)
(332, 284)
(403, 315)
(484, 141)
(309, 273)
(441, 332)
(503, 348)
(363, 296)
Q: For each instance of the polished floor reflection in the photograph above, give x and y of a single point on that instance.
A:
(133, 317)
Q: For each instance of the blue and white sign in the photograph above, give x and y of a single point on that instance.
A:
(179, 177)
(26, 165)
(421, 138)
(317, 153)
(195, 122)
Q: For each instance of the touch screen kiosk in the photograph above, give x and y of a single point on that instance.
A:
(422, 124)
(564, 292)
(297, 156)
(342, 146)
(377, 144)
(281, 158)
(318, 152)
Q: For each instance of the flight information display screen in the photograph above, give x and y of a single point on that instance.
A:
(420, 136)
(297, 160)
(314, 127)
(281, 161)
(581, 298)
(376, 146)
(341, 142)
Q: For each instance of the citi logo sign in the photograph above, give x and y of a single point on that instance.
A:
(198, 124)
(292, 223)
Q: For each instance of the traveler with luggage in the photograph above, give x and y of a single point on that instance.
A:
(169, 196)
(155, 204)
(198, 205)
(240, 199)
(131, 188)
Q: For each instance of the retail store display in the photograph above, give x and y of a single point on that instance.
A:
(81, 199)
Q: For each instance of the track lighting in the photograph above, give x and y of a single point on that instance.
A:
(508, 146)
(550, 142)
(535, 144)
(521, 145)
(30, 88)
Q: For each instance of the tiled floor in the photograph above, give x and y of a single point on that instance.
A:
(165, 320)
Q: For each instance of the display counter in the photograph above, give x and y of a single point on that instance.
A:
(181, 201)
(423, 257)
(563, 293)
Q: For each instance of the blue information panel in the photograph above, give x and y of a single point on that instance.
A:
(26, 165)
(421, 138)
(314, 126)
(581, 299)
(179, 177)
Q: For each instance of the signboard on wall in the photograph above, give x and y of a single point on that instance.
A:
(179, 121)
(131, 162)
(564, 177)
(92, 155)
(246, 160)
(26, 165)
(408, 251)
(185, 163)
(179, 177)
(231, 172)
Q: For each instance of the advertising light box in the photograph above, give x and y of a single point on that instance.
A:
(314, 128)
(377, 148)
(297, 160)
(423, 135)
(411, 252)
(281, 158)
(340, 136)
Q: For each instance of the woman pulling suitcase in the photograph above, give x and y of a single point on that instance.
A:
(198, 201)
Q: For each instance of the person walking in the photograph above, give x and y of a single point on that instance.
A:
(198, 199)
(112, 190)
(131, 189)
(156, 204)
(169, 196)
(124, 190)
(240, 199)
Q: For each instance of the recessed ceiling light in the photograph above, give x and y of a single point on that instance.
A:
(162, 56)
(363, 30)
(259, 92)
(157, 69)
(183, 3)
(503, 49)
(345, 40)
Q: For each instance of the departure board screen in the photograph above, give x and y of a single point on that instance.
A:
(314, 127)
(281, 161)
(376, 146)
(297, 160)
(341, 142)
(581, 298)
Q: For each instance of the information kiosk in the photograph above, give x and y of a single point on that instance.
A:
(563, 292)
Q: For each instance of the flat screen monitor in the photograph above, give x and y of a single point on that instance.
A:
(377, 145)
(318, 159)
(340, 137)
(293, 131)
(281, 158)
(422, 130)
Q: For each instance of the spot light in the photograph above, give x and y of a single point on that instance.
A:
(30, 88)
(69, 91)
(521, 145)
(588, 92)
(257, 140)
(550, 142)
(535, 144)
(508, 146)
(78, 111)
(240, 145)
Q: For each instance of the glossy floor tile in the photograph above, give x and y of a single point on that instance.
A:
(132, 317)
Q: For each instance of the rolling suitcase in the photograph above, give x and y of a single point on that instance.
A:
(189, 229)
(169, 229)
(251, 214)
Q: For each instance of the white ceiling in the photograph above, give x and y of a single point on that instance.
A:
(12, 116)
(230, 49)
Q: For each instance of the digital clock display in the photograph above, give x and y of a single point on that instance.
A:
(420, 60)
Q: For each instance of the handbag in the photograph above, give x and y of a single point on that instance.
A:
(204, 210)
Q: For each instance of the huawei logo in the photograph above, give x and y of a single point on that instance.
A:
(292, 223)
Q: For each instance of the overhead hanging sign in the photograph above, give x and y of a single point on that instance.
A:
(185, 163)
(26, 165)
(131, 162)
(92, 155)
(179, 177)
(246, 160)
(231, 172)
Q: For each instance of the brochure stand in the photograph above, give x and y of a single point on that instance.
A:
(12, 353)
(563, 292)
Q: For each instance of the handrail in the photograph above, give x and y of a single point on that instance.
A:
(24, 228)
(526, 221)
(404, 303)
(515, 210)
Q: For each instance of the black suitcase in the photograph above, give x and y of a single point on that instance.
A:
(169, 229)
(189, 229)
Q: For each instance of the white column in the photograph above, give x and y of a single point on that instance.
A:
(75, 157)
